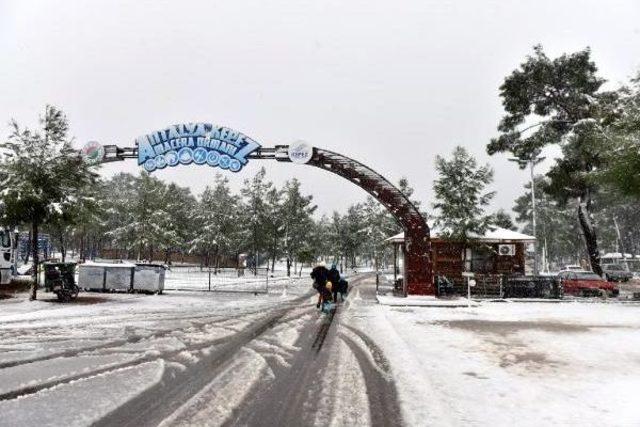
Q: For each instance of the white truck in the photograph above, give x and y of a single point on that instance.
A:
(8, 245)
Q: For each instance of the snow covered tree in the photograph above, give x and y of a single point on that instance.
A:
(623, 153)
(217, 221)
(42, 176)
(255, 211)
(81, 219)
(564, 95)
(296, 211)
(558, 233)
(274, 224)
(178, 207)
(461, 198)
(142, 215)
(355, 231)
(120, 194)
(379, 224)
(503, 219)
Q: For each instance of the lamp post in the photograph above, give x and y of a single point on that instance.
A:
(531, 161)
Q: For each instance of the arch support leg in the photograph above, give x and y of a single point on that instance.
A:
(417, 264)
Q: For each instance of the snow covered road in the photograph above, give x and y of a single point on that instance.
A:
(187, 359)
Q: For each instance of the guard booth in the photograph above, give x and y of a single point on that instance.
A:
(497, 253)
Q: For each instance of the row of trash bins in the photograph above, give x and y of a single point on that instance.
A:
(122, 277)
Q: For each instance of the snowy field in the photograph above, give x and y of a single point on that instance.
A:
(505, 364)
(196, 279)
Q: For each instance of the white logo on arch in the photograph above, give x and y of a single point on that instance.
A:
(300, 152)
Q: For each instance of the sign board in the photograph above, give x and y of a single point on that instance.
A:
(199, 143)
(300, 152)
(467, 274)
(92, 152)
(472, 282)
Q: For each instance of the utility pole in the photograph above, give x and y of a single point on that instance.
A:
(533, 215)
(532, 161)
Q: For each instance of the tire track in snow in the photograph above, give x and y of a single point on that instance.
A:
(131, 339)
(178, 386)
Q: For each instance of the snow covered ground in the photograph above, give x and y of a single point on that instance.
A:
(239, 358)
(504, 364)
(71, 364)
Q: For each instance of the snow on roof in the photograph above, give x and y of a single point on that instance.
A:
(496, 234)
(618, 255)
(108, 264)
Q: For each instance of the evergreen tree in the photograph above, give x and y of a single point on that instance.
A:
(503, 219)
(255, 211)
(623, 155)
(557, 229)
(217, 221)
(178, 206)
(296, 213)
(42, 176)
(461, 198)
(565, 93)
(274, 224)
(379, 226)
(121, 195)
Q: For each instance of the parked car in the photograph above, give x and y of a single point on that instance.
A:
(616, 273)
(586, 283)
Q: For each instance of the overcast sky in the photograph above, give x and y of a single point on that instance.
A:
(392, 84)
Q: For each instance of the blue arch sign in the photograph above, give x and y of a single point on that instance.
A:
(199, 143)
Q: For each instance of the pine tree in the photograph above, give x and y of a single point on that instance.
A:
(558, 233)
(178, 230)
(41, 176)
(255, 211)
(121, 195)
(274, 224)
(296, 214)
(217, 221)
(460, 197)
(623, 154)
(503, 219)
(565, 93)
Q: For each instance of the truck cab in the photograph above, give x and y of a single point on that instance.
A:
(8, 244)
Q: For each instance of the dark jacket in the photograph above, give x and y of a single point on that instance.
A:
(334, 277)
(319, 275)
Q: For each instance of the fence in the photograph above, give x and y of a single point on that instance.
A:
(194, 278)
(502, 286)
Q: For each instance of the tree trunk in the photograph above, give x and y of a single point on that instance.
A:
(83, 248)
(288, 266)
(34, 253)
(589, 232)
(28, 254)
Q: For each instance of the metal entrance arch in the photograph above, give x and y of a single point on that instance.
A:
(417, 274)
